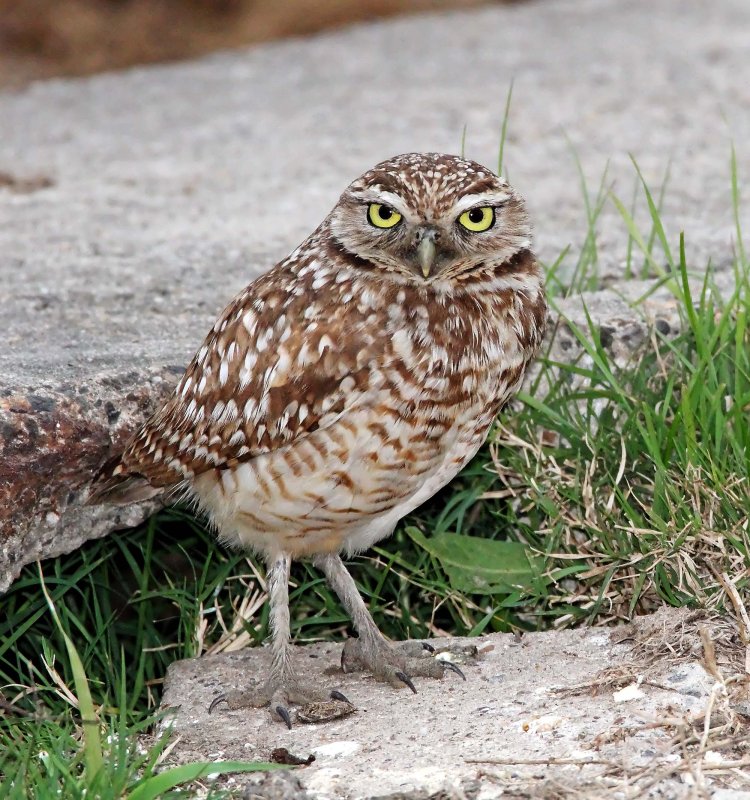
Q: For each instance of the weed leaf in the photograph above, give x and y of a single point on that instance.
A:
(480, 566)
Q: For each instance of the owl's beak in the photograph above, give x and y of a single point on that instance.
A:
(426, 252)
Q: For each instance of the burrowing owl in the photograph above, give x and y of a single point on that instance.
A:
(343, 388)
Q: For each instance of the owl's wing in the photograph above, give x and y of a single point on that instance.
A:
(279, 363)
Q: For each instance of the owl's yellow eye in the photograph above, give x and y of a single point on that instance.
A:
(382, 216)
(478, 219)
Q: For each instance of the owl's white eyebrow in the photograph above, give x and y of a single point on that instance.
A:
(483, 199)
(386, 198)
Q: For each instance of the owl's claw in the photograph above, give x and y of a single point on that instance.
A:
(453, 668)
(402, 676)
(398, 663)
(218, 700)
(283, 712)
(313, 704)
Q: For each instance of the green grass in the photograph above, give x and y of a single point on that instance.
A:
(73, 717)
(611, 491)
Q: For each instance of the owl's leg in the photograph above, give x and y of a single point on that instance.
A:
(283, 687)
(396, 664)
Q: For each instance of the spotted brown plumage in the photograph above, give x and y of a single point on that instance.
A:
(347, 385)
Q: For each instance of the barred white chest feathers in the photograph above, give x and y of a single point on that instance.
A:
(416, 390)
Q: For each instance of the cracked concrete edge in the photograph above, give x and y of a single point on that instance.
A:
(53, 439)
(626, 315)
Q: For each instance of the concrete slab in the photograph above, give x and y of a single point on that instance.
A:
(572, 713)
(134, 205)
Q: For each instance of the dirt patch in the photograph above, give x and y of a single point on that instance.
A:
(45, 38)
(24, 185)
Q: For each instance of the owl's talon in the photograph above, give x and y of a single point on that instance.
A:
(399, 663)
(218, 700)
(402, 676)
(411, 649)
(288, 699)
(453, 668)
(283, 712)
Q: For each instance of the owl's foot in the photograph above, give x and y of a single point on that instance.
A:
(289, 700)
(398, 663)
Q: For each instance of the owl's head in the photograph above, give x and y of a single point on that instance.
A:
(430, 217)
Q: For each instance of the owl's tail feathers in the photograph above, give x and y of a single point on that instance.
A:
(120, 488)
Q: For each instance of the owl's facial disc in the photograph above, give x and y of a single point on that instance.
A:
(430, 218)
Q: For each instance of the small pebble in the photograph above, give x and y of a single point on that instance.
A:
(631, 692)
(336, 749)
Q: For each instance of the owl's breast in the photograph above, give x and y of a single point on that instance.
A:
(472, 368)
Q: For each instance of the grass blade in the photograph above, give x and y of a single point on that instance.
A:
(92, 745)
(152, 787)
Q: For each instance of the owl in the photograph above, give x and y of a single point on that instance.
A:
(344, 387)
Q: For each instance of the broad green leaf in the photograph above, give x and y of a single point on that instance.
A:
(481, 566)
(152, 787)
